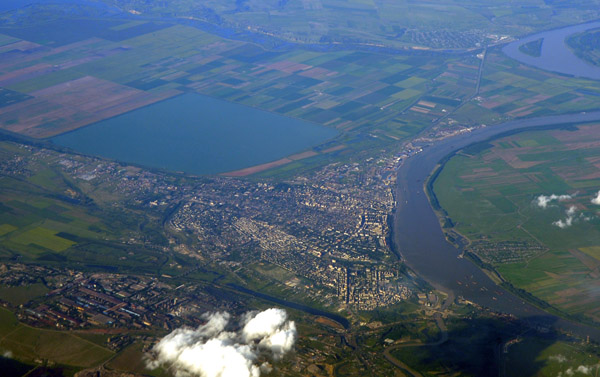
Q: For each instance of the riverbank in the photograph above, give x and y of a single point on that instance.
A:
(419, 239)
(555, 54)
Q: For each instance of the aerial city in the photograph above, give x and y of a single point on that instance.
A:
(319, 188)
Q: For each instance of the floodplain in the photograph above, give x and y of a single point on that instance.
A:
(526, 204)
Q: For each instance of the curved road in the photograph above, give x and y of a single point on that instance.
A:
(417, 235)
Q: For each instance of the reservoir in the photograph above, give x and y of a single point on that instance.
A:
(196, 134)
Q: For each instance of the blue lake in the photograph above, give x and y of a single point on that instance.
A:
(196, 134)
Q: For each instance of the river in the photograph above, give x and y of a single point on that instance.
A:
(417, 235)
(556, 55)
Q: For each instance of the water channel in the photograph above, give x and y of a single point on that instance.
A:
(556, 55)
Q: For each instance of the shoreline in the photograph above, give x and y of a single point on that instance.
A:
(420, 242)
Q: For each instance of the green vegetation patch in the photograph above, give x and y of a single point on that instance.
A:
(7, 228)
(45, 238)
(592, 251)
(10, 97)
(537, 357)
(491, 192)
(21, 294)
(28, 344)
(131, 359)
(533, 48)
(586, 45)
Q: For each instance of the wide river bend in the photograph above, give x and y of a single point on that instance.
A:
(556, 56)
(417, 235)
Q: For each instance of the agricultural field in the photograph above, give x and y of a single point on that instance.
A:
(55, 82)
(537, 357)
(438, 24)
(528, 205)
(77, 83)
(489, 345)
(46, 217)
(35, 221)
(511, 90)
(20, 295)
(29, 344)
(131, 359)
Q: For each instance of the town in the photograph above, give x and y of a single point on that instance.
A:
(326, 233)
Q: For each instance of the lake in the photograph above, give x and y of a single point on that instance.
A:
(196, 134)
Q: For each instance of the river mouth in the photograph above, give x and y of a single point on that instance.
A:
(196, 134)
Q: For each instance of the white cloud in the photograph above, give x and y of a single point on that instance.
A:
(570, 218)
(596, 200)
(543, 201)
(263, 323)
(584, 369)
(562, 224)
(211, 351)
(266, 367)
(558, 358)
(271, 329)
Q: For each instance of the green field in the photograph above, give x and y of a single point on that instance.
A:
(46, 217)
(491, 193)
(533, 48)
(28, 344)
(513, 90)
(20, 295)
(45, 238)
(543, 358)
(132, 359)
(34, 221)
